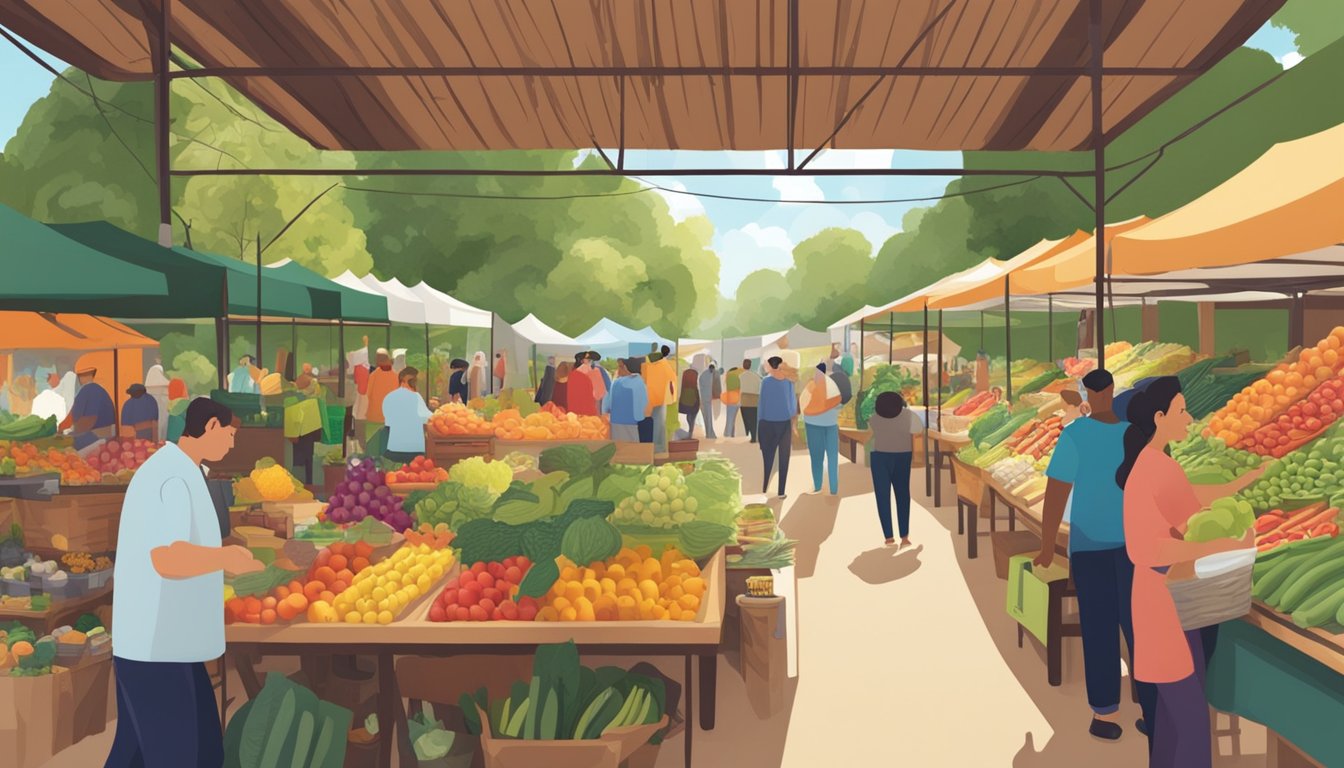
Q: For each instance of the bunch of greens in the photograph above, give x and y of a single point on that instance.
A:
(286, 724)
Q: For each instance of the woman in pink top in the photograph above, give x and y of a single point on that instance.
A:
(1159, 499)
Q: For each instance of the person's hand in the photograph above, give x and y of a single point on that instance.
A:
(1248, 540)
(1045, 558)
(239, 560)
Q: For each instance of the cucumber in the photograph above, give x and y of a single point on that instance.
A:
(1321, 607)
(1300, 565)
(1301, 587)
(1278, 572)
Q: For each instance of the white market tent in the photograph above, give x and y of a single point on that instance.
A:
(607, 333)
(541, 334)
(403, 306)
(442, 309)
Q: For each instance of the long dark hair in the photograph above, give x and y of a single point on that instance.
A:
(1141, 410)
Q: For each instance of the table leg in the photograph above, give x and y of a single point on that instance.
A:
(388, 703)
(928, 474)
(247, 674)
(937, 476)
(961, 517)
(690, 710)
(709, 675)
(973, 535)
(224, 691)
(1012, 518)
(1054, 634)
(993, 515)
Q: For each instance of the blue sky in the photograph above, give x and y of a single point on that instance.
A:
(748, 235)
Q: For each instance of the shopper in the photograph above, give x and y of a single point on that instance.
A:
(777, 422)
(601, 381)
(629, 401)
(458, 389)
(168, 578)
(708, 383)
(156, 384)
(405, 413)
(501, 369)
(689, 402)
(1084, 463)
(1158, 500)
(382, 381)
(842, 383)
(732, 400)
(820, 403)
(546, 387)
(139, 414)
(476, 376)
(751, 397)
(92, 416)
(580, 393)
(243, 380)
(660, 381)
(893, 424)
(560, 395)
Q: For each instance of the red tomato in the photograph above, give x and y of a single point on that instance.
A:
(436, 613)
(509, 610)
(478, 568)
(486, 580)
(492, 594)
(522, 562)
(487, 605)
(449, 596)
(463, 614)
(467, 577)
(527, 611)
(513, 575)
(477, 613)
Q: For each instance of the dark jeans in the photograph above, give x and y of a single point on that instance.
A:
(1104, 580)
(749, 421)
(166, 716)
(646, 430)
(1181, 737)
(690, 421)
(776, 438)
(891, 475)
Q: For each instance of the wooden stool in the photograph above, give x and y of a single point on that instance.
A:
(1232, 731)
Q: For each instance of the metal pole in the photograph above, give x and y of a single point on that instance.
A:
(221, 349)
(340, 354)
(859, 366)
(891, 334)
(928, 460)
(429, 383)
(490, 361)
(1098, 175)
(259, 358)
(162, 118)
(1007, 341)
(1050, 324)
(294, 347)
(116, 387)
(982, 330)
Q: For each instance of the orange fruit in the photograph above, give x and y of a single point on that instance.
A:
(268, 616)
(313, 589)
(325, 575)
(360, 563)
(339, 563)
(345, 575)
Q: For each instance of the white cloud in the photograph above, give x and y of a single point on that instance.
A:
(792, 187)
(1291, 59)
(682, 206)
(851, 158)
(743, 251)
(873, 227)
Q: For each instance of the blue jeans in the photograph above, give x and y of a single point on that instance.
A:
(166, 716)
(1104, 580)
(730, 425)
(823, 445)
(891, 476)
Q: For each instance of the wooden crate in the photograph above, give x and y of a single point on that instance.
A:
(634, 453)
(447, 451)
(971, 486)
(88, 521)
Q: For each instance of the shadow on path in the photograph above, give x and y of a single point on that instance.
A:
(810, 521)
(884, 564)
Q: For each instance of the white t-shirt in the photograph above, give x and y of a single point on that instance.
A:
(50, 403)
(158, 619)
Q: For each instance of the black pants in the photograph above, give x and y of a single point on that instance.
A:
(166, 716)
(690, 421)
(749, 421)
(646, 430)
(776, 438)
(1104, 580)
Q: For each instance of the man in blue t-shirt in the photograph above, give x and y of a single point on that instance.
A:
(629, 401)
(92, 416)
(777, 419)
(1084, 463)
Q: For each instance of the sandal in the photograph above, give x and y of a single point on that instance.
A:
(890, 542)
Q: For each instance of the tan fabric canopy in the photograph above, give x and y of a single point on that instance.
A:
(693, 74)
(991, 288)
(1288, 201)
(1071, 267)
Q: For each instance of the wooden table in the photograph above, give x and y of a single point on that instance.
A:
(853, 439)
(944, 445)
(61, 612)
(415, 635)
(1320, 645)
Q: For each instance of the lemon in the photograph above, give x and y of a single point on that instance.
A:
(352, 618)
(412, 591)
(423, 583)
(370, 617)
(384, 617)
(385, 604)
(435, 572)
(378, 593)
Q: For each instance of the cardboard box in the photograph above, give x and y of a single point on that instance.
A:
(88, 521)
(40, 716)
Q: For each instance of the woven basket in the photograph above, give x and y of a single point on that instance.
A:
(1204, 602)
(951, 424)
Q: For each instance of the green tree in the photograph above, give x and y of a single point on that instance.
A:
(762, 304)
(1314, 23)
(829, 278)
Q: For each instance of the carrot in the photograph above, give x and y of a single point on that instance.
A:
(1317, 520)
(1325, 529)
(1300, 515)
(1268, 522)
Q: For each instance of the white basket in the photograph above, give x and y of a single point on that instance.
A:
(1204, 602)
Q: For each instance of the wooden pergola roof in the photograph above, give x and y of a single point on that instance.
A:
(664, 74)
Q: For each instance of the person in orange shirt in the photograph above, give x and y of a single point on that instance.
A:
(382, 381)
(659, 379)
(1158, 500)
(501, 368)
(821, 420)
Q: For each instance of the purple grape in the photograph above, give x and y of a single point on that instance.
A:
(364, 498)
(382, 491)
(348, 502)
(359, 513)
(367, 486)
(354, 487)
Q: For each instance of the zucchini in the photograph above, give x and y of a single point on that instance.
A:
(279, 730)
(1321, 607)
(1279, 570)
(303, 739)
(1299, 566)
(1313, 578)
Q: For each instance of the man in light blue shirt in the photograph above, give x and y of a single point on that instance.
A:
(166, 591)
(777, 419)
(241, 381)
(629, 399)
(405, 414)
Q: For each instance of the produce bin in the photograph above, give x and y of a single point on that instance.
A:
(447, 451)
(100, 579)
(971, 487)
(607, 751)
(1006, 544)
(1205, 601)
(87, 519)
(40, 716)
(14, 588)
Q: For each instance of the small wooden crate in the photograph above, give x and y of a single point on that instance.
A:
(447, 451)
(634, 453)
(88, 521)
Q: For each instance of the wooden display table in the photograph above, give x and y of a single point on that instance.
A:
(972, 493)
(945, 446)
(415, 635)
(853, 439)
(61, 612)
(1323, 646)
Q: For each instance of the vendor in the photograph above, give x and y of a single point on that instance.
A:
(140, 414)
(243, 381)
(405, 414)
(92, 417)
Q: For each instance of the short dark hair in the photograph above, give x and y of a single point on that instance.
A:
(746, 362)
(889, 405)
(666, 350)
(594, 356)
(775, 362)
(458, 364)
(1099, 380)
(821, 367)
(199, 413)
(407, 373)
(580, 357)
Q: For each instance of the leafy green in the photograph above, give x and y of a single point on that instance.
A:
(988, 422)
(716, 486)
(574, 459)
(488, 541)
(590, 539)
(371, 531)
(538, 579)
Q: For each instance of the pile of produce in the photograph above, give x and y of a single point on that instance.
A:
(24, 654)
(520, 461)
(1304, 476)
(977, 405)
(1208, 393)
(1148, 359)
(364, 493)
(711, 500)
(485, 592)
(1038, 382)
(1278, 528)
(1036, 439)
(1013, 471)
(21, 428)
(286, 724)
(1208, 460)
(477, 472)
(418, 470)
(23, 459)
(1078, 367)
(550, 423)
(1224, 519)
(456, 419)
(565, 700)
(1305, 579)
(632, 586)
(1262, 401)
(1301, 423)
(118, 458)
(663, 501)
(990, 432)
(83, 562)
(436, 536)
(381, 592)
(269, 481)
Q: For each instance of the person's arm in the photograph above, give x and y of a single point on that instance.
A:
(1060, 476)
(85, 423)
(422, 411)
(1207, 494)
(1172, 550)
(180, 559)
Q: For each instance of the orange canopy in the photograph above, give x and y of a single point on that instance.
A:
(1070, 268)
(991, 287)
(42, 330)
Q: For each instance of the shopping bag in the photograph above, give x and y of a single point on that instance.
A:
(1028, 600)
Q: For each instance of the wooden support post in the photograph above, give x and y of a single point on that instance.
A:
(1206, 336)
(1151, 325)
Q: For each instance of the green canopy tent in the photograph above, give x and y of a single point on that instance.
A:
(46, 271)
(351, 305)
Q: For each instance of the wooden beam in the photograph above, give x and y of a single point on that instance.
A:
(1206, 337)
